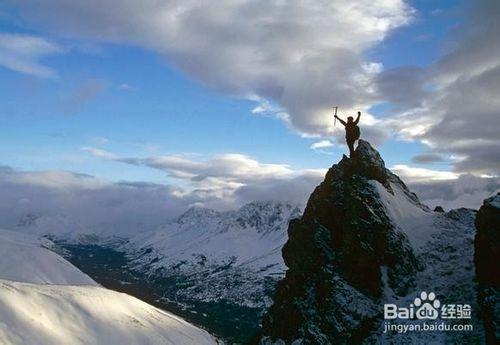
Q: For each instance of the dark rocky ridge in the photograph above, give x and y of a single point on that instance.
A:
(487, 242)
(486, 259)
(335, 253)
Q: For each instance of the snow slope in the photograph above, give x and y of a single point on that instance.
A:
(443, 243)
(46, 300)
(27, 258)
(55, 314)
(417, 222)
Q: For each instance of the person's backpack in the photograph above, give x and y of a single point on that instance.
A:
(355, 132)
(352, 132)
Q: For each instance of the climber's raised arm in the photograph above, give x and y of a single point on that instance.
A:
(341, 121)
(357, 119)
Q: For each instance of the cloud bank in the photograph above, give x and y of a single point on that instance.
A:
(227, 179)
(96, 206)
(78, 203)
(465, 191)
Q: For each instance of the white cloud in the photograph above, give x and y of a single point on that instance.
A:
(55, 179)
(322, 144)
(412, 175)
(22, 53)
(304, 56)
(99, 153)
(227, 179)
(229, 166)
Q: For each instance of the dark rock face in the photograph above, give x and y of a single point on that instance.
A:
(486, 259)
(438, 209)
(487, 242)
(336, 254)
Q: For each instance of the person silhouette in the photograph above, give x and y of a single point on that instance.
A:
(351, 131)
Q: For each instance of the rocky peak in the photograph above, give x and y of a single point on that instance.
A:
(265, 214)
(196, 214)
(258, 215)
(344, 248)
(367, 164)
(267, 206)
(366, 161)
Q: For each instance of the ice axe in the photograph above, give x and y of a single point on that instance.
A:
(335, 116)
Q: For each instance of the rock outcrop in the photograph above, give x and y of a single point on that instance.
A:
(486, 259)
(341, 254)
(438, 209)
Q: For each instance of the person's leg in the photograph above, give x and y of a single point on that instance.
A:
(350, 144)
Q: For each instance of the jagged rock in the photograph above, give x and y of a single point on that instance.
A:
(486, 258)
(336, 254)
(438, 209)
(487, 242)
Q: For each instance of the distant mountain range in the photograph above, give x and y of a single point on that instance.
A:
(232, 256)
(212, 267)
(206, 247)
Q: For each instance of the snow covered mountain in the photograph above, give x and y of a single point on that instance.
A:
(31, 259)
(232, 256)
(217, 269)
(46, 300)
(365, 240)
(65, 314)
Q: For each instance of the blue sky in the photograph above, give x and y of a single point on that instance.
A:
(138, 98)
(158, 109)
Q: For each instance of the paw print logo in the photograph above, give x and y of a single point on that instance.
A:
(428, 306)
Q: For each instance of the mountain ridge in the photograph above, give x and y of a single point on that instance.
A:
(239, 244)
(365, 239)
